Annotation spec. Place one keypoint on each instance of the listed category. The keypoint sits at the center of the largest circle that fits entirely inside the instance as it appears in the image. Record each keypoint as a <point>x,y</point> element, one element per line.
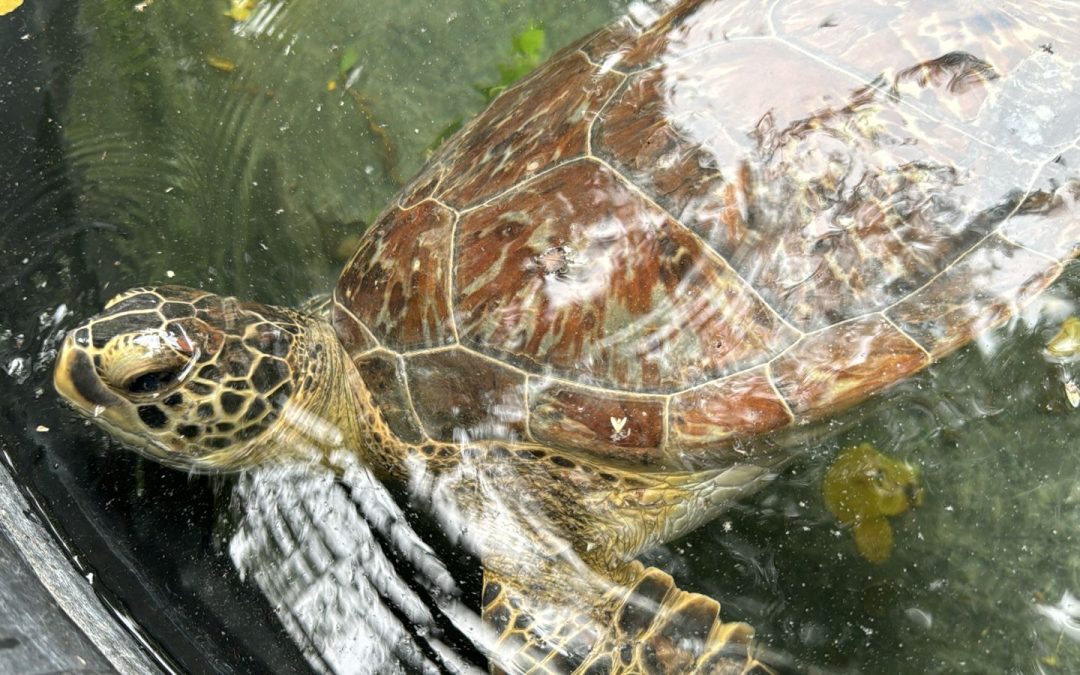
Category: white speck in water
<point>368,169</point>
<point>949,508</point>
<point>169,189</point>
<point>42,429</point>
<point>170,274</point>
<point>98,409</point>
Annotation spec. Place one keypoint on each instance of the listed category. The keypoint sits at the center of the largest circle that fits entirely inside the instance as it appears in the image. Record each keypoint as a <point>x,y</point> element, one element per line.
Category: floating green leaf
<point>527,53</point>
<point>349,58</point>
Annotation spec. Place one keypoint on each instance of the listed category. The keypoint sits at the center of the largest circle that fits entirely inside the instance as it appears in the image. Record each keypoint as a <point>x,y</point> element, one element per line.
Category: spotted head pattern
<point>188,377</point>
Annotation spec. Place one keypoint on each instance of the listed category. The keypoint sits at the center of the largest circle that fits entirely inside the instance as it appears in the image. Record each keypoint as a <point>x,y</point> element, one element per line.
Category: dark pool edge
<point>65,591</point>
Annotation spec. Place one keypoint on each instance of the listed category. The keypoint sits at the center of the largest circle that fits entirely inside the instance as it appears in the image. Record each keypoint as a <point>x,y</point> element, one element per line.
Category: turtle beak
<point>77,381</point>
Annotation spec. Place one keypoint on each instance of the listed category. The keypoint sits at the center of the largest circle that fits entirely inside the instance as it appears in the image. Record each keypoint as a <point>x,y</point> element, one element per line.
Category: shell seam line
<point>522,183</point>
<point>400,363</point>
<point>615,91</point>
<point>956,261</point>
<point>709,250</point>
<point>776,388</point>
<point>926,352</point>
<point>363,327</point>
<point>1017,244</point>
<point>451,277</point>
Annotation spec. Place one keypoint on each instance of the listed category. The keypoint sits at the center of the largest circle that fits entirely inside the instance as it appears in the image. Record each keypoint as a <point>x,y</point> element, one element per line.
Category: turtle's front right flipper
<point>635,621</point>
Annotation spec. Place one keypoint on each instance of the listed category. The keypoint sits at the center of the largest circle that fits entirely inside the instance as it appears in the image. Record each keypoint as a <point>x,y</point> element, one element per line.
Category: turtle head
<point>191,379</point>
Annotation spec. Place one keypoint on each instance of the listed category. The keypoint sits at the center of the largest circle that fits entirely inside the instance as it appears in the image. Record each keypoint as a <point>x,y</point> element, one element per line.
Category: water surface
<point>176,144</point>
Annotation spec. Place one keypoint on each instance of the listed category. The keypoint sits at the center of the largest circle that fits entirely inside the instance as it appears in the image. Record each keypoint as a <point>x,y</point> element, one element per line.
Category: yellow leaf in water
<point>1067,342</point>
<point>224,65</point>
<point>239,10</point>
<point>331,85</point>
<point>863,488</point>
<point>9,6</point>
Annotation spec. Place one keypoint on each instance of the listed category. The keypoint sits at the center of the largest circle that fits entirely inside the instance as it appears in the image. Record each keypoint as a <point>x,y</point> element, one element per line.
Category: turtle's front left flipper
<point>634,621</point>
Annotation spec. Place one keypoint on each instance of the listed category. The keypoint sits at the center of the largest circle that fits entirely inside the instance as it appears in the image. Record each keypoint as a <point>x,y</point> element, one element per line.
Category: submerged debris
<point>1066,344</point>
<point>862,488</point>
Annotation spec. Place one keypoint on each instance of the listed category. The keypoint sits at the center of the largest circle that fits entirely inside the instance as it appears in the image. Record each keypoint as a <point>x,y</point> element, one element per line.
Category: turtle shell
<point>685,232</point>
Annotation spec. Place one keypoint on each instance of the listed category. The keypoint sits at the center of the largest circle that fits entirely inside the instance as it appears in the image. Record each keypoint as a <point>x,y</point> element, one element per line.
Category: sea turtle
<point>619,297</point>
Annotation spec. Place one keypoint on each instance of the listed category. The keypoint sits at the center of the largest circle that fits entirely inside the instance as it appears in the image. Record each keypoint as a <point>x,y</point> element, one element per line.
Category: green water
<point>183,146</point>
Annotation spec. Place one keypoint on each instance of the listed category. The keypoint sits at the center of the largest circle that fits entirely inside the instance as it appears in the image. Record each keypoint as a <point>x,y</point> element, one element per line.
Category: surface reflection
<point>629,292</point>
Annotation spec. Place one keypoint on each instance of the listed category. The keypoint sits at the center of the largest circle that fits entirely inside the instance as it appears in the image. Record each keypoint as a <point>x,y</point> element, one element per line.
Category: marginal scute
<point>606,422</point>
<point>1049,222</point>
<point>638,304</point>
<point>982,290</point>
<point>385,379</point>
<point>837,367</point>
<point>704,421</point>
<point>397,282</point>
<point>493,407</point>
<point>673,35</point>
<point>356,338</point>
<point>524,132</point>
<point>607,45</point>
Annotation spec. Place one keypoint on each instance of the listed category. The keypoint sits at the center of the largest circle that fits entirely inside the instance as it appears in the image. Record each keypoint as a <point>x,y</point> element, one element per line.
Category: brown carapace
<point>589,316</point>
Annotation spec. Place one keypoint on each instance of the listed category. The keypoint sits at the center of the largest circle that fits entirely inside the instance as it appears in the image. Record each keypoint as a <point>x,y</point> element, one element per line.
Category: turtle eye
<point>144,363</point>
<point>152,382</point>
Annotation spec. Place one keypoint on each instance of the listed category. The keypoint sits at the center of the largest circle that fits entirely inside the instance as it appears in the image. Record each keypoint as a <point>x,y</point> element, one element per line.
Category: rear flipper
<point>637,622</point>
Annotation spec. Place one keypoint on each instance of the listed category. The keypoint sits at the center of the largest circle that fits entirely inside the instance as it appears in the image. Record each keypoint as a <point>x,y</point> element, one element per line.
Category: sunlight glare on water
<point>243,149</point>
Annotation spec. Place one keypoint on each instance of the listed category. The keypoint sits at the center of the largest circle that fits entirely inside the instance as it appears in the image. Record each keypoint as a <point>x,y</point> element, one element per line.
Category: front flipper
<point>636,621</point>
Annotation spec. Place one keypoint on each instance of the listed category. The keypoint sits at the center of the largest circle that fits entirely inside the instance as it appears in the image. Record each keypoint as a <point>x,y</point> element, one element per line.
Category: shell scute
<point>396,282</point>
<point>766,213</point>
<point>1048,221</point>
<point>606,316</point>
<point>707,418</point>
<point>385,379</point>
<point>521,135</point>
<point>980,291</point>
<point>627,427</point>
<point>834,368</point>
<point>491,405</point>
